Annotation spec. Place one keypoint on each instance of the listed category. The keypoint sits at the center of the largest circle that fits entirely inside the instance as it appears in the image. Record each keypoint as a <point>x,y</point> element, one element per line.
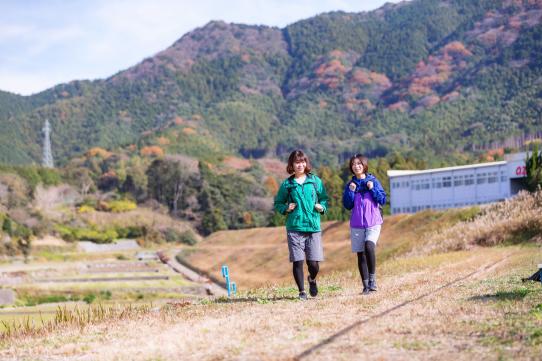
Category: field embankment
<point>259,256</point>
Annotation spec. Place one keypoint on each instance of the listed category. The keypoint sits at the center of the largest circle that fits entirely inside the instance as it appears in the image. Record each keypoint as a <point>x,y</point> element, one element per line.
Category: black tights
<point>367,261</point>
<point>299,278</point>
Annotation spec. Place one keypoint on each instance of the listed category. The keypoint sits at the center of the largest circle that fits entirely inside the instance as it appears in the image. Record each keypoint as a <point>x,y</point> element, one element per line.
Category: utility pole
<point>47,153</point>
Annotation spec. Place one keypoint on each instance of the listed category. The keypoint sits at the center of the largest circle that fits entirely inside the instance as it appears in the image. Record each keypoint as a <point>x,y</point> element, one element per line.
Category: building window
<point>437,183</point>
<point>492,177</point>
<point>446,182</point>
<point>458,180</point>
<point>481,178</point>
<point>469,179</point>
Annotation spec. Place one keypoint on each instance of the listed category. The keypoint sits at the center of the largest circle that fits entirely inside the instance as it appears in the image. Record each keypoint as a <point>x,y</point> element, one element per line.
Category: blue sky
<point>48,42</point>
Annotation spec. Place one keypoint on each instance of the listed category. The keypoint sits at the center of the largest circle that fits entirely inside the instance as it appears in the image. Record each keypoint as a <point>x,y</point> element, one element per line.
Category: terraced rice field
<point>42,287</point>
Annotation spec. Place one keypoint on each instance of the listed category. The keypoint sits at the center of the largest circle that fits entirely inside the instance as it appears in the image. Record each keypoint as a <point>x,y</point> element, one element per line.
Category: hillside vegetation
<point>433,79</point>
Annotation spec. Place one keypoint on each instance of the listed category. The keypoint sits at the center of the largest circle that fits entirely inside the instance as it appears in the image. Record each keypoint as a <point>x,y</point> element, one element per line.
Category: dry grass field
<point>458,305</point>
<point>444,294</point>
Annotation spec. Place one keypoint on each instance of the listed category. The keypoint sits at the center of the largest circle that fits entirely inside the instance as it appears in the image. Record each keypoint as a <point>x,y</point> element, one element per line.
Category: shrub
<point>105,295</point>
<point>172,235</point>
<point>130,232</point>
<point>65,232</point>
<point>153,236</point>
<point>7,226</point>
<point>468,214</point>
<point>40,299</point>
<point>22,232</point>
<point>89,298</point>
<point>122,206</point>
<point>85,209</point>
<point>71,234</point>
<point>189,238</point>
<point>90,202</point>
<point>96,236</point>
<point>49,176</point>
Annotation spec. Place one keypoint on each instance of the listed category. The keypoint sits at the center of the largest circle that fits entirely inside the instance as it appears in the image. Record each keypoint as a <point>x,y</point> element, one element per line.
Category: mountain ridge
<point>406,77</point>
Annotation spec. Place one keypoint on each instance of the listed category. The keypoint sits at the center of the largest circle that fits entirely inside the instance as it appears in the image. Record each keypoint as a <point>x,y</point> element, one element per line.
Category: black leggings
<point>367,261</point>
<point>299,278</point>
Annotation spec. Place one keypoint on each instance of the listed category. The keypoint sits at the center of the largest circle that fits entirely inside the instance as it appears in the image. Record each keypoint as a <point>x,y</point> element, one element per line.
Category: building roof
<point>399,173</point>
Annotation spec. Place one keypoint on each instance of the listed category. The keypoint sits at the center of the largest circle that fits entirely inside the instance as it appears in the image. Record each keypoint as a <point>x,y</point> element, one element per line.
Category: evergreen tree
<point>534,169</point>
<point>167,183</point>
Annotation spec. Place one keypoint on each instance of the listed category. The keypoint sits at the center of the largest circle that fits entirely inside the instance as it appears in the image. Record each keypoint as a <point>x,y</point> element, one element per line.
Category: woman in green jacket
<point>302,198</point>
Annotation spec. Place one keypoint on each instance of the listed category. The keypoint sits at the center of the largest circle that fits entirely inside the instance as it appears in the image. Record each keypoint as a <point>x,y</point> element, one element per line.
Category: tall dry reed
<point>515,220</point>
<point>78,317</point>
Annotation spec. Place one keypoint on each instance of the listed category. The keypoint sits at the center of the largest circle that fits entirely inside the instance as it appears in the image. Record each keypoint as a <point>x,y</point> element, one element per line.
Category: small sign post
<point>230,286</point>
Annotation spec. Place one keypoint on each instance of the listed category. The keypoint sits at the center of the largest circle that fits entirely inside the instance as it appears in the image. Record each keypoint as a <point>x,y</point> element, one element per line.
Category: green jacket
<point>304,217</point>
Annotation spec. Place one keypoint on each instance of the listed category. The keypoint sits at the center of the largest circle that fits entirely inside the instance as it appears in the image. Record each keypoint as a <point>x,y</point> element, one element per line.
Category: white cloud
<point>9,32</point>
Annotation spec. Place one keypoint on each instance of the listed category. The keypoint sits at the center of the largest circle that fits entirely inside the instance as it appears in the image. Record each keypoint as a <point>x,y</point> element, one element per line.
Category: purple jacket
<point>364,202</point>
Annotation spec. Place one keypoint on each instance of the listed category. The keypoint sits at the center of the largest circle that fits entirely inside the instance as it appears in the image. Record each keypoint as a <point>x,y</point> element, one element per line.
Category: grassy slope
<point>259,256</point>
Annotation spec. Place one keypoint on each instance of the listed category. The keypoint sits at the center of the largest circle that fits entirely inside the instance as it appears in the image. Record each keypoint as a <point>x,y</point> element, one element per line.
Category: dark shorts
<point>303,245</point>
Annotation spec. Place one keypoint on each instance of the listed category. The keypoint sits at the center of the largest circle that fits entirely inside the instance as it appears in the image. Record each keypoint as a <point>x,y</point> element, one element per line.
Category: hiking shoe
<point>372,283</point>
<point>313,287</point>
<point>303,296</point>
<point>366,289</point>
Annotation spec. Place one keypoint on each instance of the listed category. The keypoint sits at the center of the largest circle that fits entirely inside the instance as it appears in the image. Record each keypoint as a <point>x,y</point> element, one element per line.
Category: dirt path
<point>432,308</point>
<point>212,288</point>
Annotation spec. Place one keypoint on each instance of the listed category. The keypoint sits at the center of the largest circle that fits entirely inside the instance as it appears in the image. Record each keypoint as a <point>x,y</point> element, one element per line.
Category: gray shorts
<point>358,237</point>
<point>301,244</point>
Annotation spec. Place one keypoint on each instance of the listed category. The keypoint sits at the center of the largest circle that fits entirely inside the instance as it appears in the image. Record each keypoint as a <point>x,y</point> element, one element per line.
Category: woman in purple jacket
<point>362,194</point>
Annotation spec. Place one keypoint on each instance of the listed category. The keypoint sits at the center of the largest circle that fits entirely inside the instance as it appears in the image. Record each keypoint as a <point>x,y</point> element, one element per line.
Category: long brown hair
<point>363,160</point>
<point>296,156</point>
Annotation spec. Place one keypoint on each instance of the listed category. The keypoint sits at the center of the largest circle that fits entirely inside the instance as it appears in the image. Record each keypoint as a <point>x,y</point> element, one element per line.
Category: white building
<point>441,188</point>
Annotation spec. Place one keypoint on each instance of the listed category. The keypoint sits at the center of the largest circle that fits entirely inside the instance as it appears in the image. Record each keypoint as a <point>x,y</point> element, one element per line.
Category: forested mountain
<point>433,79</point>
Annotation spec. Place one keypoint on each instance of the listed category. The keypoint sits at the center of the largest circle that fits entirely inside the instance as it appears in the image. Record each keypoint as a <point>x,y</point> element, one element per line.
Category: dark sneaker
<point>372,284</point>
<point>366,289</point>
<point>303,296</point>
<point>313,287</point>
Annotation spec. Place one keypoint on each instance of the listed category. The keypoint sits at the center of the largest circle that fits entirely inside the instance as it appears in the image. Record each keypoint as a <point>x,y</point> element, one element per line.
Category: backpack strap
<point>289,196</point>
<point>315,188</point>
